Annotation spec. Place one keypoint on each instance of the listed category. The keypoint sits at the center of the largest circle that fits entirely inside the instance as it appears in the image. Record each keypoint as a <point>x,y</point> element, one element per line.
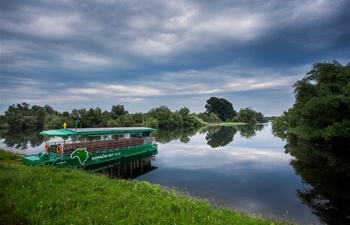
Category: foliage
<point>118,110</point>
<point>250,116</point>
<point>220,136</point>
<point>317,130</point>
<point>213,118</point>
<point>57,121</point>
<point>163,117</point>
<point>22,116</point>
<point>203,116</point>
<point>248,131</point>
<point>326,170</point>
<point>221,107</point>
<point>21,140</point>
<point>321,110</point>
<point>183,134</point>
<point>125,120</point>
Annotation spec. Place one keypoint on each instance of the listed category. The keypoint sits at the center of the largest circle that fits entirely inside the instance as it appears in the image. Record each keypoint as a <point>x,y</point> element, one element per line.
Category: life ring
<point>153,157</point>
<point>59,149</point>
<point>47,146</point>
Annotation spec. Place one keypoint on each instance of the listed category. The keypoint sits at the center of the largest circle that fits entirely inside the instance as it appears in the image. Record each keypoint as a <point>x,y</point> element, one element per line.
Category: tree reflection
<point>216,136</point>
<point>326,169</point>
<point>21,140</point>
<point>248,131</point>
<point>166,135</point>
<point>220,136</point>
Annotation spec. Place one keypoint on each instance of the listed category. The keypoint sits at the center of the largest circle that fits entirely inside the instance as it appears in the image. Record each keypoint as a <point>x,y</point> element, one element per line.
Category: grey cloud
<point>183,48</point>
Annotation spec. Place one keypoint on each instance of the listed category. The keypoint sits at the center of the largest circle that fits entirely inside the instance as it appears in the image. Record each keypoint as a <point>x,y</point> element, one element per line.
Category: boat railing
<point>100,145</point>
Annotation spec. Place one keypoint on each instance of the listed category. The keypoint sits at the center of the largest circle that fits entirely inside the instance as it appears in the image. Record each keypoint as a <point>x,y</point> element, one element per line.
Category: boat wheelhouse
<point>89,146</point>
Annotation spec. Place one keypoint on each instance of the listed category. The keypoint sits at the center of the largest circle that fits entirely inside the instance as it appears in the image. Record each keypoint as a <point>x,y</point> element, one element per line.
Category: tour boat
<point>80,147</point>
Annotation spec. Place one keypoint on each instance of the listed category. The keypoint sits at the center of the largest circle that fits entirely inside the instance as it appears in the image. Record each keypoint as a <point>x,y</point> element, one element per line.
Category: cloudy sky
<point>144,54</point>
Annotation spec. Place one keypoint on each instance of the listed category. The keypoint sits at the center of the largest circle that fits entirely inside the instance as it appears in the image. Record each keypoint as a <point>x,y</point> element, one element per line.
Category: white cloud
<point>44,26</point>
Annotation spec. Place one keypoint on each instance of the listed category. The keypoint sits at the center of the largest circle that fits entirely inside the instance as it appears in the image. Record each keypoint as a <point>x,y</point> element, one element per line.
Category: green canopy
<point>96,131</point>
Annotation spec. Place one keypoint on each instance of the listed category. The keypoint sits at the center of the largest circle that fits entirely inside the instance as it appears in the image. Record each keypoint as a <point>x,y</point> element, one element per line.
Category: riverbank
<point>50,195</point>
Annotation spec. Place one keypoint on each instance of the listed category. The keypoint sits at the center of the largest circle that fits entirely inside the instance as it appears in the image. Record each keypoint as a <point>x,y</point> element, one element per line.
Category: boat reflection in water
<point>126,168</point>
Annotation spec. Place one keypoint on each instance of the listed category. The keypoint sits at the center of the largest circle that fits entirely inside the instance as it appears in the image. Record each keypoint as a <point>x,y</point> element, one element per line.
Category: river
<point>250,174</point>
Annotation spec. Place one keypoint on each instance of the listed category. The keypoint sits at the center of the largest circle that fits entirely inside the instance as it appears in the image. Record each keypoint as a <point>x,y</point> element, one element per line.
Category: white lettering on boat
<point>105,156</point>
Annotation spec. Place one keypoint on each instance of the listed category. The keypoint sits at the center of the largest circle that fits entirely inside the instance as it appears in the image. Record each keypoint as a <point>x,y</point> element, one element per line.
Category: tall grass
<point>50,195</point>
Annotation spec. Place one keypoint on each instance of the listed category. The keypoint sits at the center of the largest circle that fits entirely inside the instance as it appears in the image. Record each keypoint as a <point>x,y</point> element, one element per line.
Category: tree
<point>322,98</point>
<point>221,107</point>
<point>78,114</point>
<point>183,111</point>
<point>250,116</point>
<point>92,117</point>
<point>118,110</point>
<point>213,118</point>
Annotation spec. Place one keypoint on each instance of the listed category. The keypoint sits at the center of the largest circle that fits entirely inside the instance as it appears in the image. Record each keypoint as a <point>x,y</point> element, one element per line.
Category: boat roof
<point>96,131</point>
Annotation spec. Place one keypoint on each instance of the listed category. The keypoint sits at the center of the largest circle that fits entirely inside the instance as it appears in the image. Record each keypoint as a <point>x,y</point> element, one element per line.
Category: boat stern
<point>37,159</point>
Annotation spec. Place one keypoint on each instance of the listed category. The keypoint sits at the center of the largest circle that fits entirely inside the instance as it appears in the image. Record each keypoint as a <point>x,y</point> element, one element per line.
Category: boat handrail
<point>96,145</point>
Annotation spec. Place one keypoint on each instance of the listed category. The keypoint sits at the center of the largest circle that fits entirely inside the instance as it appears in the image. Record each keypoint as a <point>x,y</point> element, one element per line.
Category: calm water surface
<point>252,174</point>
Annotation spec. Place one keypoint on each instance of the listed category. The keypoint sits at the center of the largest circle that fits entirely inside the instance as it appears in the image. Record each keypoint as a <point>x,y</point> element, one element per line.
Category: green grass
<point>50,195</point>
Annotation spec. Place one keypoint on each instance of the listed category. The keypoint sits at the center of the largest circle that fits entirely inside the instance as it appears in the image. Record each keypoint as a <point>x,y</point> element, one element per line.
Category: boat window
<point>145,134</point>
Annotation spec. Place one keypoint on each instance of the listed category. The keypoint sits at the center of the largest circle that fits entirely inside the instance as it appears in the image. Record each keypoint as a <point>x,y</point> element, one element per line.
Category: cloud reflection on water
<point>249,174</point>
<point>197,155</point>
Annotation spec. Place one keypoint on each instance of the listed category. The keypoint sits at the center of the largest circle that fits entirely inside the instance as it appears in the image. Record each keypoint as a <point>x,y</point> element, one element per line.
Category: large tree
<point>118,110</point>
<point>322,104</point>
<point>250,116</point>
<point>221,107</point>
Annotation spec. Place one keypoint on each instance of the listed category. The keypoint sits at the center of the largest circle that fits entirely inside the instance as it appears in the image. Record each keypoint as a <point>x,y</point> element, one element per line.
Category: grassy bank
<point>49,195</point>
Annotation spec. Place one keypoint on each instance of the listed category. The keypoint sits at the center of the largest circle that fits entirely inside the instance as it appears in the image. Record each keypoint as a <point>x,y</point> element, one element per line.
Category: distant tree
<point>112,123</point>
<point>125,121</point>
<point>92,117</point>
<point>183,111</point>
<point>138,118</point>
<point>56,122</point>
<point>50,110</point>
<point>118,110</point>
<point>213,118</point>
<point>161,114</point>
<point>221,107</point>
<point>250,116</point>
<point>22,116</point>
<point>39,113</point>
<point>203,116</point>
<point>105,117</point>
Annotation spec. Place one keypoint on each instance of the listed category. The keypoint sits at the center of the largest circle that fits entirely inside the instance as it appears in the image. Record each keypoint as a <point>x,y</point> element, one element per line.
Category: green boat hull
<point>81,157</point>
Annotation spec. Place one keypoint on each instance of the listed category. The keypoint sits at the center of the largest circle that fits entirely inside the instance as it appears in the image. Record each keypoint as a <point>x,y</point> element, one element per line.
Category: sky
<point>146,54</point>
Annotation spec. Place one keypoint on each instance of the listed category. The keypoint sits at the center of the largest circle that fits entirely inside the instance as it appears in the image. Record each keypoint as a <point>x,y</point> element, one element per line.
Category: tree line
<point>23,116</point>
<point>321,112</point>
<point>317,132</point>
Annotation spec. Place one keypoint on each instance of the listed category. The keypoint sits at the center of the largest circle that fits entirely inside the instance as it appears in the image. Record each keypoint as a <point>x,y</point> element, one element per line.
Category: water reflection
<point>126,168</point>
<point>216,136</point>
<point>249,131</point>
<point>249,172</point>
<point>21,140</point>
<point>184,135</point>
<point>326,170</point>
<point>219,137</point>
